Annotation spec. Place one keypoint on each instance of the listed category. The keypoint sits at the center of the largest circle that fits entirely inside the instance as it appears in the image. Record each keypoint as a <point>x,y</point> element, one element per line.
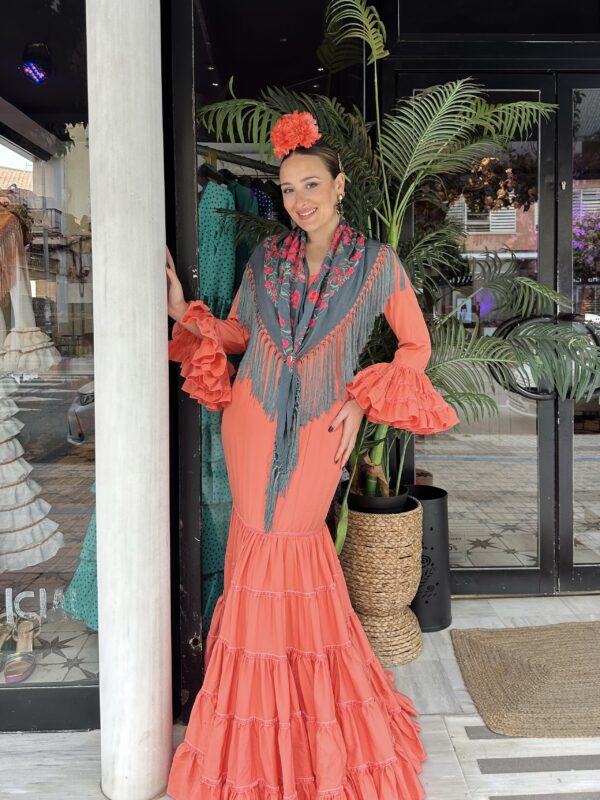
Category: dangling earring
<point>339,205</point>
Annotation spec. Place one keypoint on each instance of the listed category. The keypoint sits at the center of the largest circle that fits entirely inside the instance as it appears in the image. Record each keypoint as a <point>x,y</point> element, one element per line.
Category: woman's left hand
<point>351,415</point>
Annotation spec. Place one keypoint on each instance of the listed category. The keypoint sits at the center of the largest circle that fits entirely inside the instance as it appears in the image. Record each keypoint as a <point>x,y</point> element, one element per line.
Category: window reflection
<point>586,300</point>
<point>495,458</point>
<point>48,594</point>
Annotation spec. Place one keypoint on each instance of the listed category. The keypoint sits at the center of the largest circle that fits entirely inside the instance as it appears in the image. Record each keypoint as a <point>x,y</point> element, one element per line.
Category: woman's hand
<point>176,304</point>
<point>351,415</point>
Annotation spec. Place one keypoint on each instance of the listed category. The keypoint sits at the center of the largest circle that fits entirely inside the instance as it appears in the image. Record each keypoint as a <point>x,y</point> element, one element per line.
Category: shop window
<point>48,599</point>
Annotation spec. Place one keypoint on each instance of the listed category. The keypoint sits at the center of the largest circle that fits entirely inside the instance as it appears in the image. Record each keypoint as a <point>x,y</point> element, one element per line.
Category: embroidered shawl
<point>296,390</point>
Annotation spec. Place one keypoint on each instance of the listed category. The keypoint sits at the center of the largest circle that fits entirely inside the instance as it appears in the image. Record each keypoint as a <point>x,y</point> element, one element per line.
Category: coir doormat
<point>534,681</point>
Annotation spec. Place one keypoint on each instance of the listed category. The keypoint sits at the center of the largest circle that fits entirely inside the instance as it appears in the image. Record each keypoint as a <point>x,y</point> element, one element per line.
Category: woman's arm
<point>399,393</point>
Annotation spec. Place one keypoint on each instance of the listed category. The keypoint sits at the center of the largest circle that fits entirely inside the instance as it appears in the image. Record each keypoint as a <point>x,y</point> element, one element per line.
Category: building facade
<point>100,486</point>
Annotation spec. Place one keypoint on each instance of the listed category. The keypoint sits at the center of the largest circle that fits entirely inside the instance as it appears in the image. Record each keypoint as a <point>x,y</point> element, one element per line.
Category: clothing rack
<point>234,158</point>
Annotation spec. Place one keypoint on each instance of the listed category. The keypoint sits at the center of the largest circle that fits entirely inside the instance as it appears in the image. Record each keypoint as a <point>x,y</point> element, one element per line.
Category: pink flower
<point>268,270</point>
<point>268,285</point>
<point>355,256</point>
<point>289,361</point>
<point>360,241</point>
<point>350,270</point>
<point>295,298</point>
<point>311,324</point>
<point>281,320</point>
<point>322,304</point>
<point>285,342</point>
<point>313,295</point>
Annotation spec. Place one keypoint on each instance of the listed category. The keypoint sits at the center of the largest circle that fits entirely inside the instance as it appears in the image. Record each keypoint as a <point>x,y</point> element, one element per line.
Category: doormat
<point>534,681</point>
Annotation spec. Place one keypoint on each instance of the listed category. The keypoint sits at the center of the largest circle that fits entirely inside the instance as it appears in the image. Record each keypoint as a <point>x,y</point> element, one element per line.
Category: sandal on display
<point>7,644</point>
<point>20,665</point>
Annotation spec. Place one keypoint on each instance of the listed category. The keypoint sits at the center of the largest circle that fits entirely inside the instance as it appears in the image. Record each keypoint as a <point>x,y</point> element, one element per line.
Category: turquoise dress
<point>81,596</point>
<point>217,277</point>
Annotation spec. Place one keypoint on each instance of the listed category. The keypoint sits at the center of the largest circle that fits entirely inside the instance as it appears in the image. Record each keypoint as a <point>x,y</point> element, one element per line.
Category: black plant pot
<point>377,505</point>
<point>431,603</point>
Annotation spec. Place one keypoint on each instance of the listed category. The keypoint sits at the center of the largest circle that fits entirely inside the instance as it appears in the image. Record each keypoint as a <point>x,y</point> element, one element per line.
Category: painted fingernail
<point>330,428</point>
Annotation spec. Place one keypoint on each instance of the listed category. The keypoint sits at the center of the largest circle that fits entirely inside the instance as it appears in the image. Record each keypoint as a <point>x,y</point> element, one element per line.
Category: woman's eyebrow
<point>309,178</point>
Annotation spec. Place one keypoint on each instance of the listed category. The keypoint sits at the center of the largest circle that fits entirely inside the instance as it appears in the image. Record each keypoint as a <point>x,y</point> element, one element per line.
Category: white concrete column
<point>131,400</point>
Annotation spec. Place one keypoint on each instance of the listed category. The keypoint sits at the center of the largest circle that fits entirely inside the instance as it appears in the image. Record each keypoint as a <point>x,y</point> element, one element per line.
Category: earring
<point>339,205</point>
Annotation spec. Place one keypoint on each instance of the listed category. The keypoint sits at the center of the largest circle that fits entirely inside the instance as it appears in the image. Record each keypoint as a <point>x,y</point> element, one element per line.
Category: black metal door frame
<point>572,577</point>
<point>542,579</point>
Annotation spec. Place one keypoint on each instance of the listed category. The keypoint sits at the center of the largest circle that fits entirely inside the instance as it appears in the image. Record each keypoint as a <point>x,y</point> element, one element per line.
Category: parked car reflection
<point>80,416</point>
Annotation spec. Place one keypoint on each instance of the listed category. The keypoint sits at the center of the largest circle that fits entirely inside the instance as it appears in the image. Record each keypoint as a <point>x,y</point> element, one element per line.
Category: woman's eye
<point>309,185</point>
<point>286,191</point>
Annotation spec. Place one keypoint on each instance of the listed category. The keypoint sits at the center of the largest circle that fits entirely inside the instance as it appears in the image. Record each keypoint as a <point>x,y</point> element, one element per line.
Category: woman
<point>294,704</point>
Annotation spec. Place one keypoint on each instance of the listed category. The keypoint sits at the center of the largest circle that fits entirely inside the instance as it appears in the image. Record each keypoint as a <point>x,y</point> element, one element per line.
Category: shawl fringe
<point>323,371</point>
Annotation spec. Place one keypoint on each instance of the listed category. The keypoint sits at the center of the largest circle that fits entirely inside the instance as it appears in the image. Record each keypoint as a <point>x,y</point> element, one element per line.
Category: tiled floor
<point>465,760</point>
<point>493,496</point>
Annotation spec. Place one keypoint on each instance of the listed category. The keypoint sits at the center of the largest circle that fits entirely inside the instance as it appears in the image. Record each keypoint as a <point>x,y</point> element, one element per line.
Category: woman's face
<point>310,194</point>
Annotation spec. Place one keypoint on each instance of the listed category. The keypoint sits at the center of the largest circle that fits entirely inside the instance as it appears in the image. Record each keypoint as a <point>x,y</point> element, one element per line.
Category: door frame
<point>541,579</point>
<point>571,577</point>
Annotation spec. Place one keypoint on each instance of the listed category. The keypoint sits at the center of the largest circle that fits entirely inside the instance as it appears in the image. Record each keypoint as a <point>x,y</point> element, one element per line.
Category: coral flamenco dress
<point>294,704</point>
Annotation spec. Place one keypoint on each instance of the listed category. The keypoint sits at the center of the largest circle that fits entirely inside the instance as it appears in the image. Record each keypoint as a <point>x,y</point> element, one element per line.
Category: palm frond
<point>240,121</point>
<point>460,358</point>
<point>348,20</point>
<point>556,358</point>
<point>252,229</point>
<point>474,405</point>
<point>336,57</point>
<point>433,259</point>
<point>512,120</point>
<point>518,294</point>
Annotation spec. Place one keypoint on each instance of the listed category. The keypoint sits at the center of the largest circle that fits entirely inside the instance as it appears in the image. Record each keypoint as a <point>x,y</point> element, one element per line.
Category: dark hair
<point>326,153</point>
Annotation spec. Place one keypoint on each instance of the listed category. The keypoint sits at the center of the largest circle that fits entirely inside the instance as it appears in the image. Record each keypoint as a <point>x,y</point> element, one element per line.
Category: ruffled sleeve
<point>399,393</point>
<point>204,365</point>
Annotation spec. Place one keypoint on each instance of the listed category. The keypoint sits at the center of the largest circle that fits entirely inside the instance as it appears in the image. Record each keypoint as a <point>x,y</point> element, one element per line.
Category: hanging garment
<point>81,595</point>
<point>217,247</point>
<point>265,204</point>
<point>245,201</point>
<point>27,535</point>
<point>26,349</point>
<point>294,703</point>
<point>216,234</point>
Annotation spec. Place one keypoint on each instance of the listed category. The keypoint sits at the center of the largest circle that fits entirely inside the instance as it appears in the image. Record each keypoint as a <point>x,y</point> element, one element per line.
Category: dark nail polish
<point>330,428</point>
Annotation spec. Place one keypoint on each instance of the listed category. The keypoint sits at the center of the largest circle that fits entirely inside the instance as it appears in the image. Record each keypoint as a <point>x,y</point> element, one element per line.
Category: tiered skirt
<point>294,705</point>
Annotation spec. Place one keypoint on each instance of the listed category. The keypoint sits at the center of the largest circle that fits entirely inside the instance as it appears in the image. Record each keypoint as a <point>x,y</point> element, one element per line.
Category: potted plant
<point>403,160</point>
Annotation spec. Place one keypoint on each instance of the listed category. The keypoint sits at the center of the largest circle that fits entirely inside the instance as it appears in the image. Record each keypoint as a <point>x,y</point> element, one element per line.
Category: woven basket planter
<point>381,560</point>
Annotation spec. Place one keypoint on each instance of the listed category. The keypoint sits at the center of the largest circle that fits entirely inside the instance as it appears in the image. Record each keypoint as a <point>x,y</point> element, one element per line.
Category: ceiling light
<point>320,69</point>
<point>215,83</point>
<point>211,68</point>
<point>283,39</point>
<point>37,62</point>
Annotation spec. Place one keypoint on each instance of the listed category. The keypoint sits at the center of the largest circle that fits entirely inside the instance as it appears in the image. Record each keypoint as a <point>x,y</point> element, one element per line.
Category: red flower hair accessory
<point>298,129</point>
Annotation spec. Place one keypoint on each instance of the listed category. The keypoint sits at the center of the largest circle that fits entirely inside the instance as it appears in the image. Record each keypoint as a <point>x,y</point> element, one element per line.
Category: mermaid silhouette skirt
<point>294,704</point>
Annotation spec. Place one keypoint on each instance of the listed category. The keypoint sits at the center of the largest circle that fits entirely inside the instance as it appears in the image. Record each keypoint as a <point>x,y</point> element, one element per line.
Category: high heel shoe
<point>7,644</point>
<point>20,664</point>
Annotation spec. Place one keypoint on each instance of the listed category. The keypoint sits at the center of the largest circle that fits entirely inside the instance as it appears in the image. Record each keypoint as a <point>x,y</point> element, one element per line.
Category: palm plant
<point>390,164</point>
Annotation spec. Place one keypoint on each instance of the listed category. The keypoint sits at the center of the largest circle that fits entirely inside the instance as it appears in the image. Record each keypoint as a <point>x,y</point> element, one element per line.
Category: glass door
<point>500,471</point>
<point>578,258</point>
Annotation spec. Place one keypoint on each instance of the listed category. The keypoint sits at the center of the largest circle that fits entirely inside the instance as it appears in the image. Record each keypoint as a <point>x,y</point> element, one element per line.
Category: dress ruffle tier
<point>403,397</point>
<point>294,705</point>
<point>204,363</point>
